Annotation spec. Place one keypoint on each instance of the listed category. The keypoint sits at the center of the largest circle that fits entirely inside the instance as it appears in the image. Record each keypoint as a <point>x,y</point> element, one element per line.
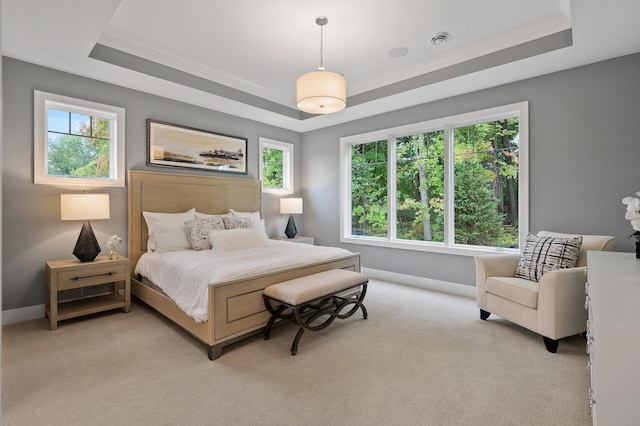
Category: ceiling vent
<point>439,38</point>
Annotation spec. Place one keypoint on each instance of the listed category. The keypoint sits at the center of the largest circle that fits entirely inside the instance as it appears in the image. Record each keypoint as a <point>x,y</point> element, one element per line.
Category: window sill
<point>426,247</point>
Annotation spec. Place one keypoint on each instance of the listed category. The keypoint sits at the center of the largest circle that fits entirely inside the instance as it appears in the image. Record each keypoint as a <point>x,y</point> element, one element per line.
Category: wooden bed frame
<point>236,308</point>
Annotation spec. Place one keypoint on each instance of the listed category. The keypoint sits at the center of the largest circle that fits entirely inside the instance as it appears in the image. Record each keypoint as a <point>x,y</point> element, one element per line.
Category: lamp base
<point>291,230</point>
<point>87,247</point>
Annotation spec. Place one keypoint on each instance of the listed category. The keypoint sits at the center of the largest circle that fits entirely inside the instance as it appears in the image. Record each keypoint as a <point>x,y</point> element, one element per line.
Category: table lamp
<point>85,207</point>
<point>291,206</point>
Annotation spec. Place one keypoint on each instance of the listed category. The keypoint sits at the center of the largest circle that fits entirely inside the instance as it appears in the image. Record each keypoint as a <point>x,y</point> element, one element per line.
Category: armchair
<point>552,307</point>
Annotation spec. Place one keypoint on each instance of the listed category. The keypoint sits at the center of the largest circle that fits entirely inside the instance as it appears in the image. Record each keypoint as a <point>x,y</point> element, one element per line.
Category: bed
<point>235,308</point>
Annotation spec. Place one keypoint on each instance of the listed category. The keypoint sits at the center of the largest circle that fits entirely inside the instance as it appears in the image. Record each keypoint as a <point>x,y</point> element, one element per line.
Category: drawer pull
<point>92,276</point>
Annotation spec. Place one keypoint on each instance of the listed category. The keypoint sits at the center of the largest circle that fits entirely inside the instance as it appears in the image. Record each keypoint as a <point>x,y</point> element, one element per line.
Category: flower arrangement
<point>633,214</point>
<point>111,243</point>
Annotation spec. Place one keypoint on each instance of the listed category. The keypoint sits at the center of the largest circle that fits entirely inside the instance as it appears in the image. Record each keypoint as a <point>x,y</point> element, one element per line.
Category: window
<point>454,185</point>
<point>276,166</point>
<point>78,142</point>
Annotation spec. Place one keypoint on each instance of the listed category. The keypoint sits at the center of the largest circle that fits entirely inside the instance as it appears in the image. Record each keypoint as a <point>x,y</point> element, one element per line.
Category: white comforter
<point>185,275</point>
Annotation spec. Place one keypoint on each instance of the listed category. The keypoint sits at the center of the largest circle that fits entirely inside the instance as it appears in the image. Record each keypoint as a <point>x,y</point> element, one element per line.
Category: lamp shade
<point>291,206</point>
<point>84,206</point>
<point>321,92</point>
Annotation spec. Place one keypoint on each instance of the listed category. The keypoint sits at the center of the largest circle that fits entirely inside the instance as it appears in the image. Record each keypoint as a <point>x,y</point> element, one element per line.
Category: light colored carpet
<point>422,358</point>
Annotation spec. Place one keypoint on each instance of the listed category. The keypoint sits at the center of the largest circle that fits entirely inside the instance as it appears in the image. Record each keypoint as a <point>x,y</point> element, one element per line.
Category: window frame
<point>44,101</point>
<point>520,110</point>
<point>287,165</point>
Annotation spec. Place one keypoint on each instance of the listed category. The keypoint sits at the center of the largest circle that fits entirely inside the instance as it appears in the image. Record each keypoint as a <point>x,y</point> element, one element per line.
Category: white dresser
<point>613,337</point>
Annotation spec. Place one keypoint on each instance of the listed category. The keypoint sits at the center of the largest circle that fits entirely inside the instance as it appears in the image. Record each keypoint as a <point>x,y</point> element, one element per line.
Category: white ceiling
<point>243,57</point>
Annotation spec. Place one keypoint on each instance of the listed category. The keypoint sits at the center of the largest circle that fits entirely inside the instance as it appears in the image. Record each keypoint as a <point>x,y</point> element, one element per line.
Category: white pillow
<point>171,236</point>
<point>152,218</point>
<point>254,216</point>
<point>237,239</point>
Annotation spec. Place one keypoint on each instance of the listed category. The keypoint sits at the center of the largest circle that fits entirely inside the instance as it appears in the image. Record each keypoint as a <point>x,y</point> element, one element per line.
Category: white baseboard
<point>427,283</point>
<point>37,311</point>
<point>22,314</point>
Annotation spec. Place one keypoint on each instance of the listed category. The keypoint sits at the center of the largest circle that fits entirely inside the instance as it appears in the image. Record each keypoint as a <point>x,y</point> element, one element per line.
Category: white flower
<point>633,211</point>
<point>633,204</point>
<point>112,241</point>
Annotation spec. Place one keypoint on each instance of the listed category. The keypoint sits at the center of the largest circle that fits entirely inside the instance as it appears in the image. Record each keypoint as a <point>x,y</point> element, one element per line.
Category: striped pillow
<point>544,254</point>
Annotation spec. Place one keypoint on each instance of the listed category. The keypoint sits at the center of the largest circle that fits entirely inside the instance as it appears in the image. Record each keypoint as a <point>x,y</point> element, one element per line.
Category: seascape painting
<point>180,146</point>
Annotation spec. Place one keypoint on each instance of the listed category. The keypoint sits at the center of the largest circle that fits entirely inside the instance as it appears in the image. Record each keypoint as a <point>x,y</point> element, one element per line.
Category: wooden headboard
<point>176,193</point>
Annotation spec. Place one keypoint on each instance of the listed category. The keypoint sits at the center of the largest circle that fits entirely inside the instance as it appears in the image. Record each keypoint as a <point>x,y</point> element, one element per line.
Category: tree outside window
<point>78,145</point>
<point>369,189</point>
<point>451,185</point>
<point>276,166</point>
<point>77,142</point>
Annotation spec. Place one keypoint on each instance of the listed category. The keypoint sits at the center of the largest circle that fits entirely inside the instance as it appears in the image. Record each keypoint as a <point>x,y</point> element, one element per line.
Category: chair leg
<point>552,345</point>
<point>484,314</point>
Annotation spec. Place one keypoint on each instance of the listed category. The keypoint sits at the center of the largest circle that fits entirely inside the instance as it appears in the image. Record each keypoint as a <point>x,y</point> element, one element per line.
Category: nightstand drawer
<point>77,278</point>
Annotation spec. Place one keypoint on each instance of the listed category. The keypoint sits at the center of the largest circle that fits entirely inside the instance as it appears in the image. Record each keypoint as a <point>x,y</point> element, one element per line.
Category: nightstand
<point>296,239</point>
<point>109,279</point>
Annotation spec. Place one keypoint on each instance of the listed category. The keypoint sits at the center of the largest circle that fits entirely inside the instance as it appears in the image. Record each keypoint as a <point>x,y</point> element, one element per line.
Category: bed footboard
<point>236,308</point>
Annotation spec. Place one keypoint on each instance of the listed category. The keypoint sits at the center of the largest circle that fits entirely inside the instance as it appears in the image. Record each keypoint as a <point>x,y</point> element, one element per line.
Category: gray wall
<point>584,158</point>
<point>32,230</point>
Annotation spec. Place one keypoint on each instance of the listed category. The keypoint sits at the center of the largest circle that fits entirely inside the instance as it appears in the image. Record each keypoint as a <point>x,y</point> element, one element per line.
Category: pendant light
<point>321,92</point>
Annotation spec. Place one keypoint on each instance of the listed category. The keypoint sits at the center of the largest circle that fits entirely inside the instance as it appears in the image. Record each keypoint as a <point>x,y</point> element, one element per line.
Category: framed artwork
<point>181,146</point>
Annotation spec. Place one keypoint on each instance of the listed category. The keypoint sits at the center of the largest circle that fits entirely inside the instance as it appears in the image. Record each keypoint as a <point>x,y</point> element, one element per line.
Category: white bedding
<point>185,275</point>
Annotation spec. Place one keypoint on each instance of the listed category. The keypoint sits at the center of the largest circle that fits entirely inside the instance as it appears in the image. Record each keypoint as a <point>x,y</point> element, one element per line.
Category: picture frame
<point>174,145</point>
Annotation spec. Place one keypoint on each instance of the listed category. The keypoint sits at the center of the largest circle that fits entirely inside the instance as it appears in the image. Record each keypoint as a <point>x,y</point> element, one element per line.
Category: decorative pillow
<point>254,216</point>
<point>198,231</point>
<point>237,239</point>
<point>232,222</point>
<point>171,236</point>
<point>152,218</point>
<point>544,254</point>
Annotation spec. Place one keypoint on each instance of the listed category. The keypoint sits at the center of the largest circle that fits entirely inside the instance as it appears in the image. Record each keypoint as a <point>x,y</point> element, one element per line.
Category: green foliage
<point>272,168</point>
<point>369,189</point>
<point>420,186</point>
<point>485,185</point>
<point>476,220</point>
<point>84,154</point>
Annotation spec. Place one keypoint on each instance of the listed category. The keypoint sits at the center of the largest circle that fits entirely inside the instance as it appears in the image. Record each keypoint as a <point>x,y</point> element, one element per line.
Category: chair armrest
<point>493,265</point>
<point>561,297</point>
<point>496,265</point>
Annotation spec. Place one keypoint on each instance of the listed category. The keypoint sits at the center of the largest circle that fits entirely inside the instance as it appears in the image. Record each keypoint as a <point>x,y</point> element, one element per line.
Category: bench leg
<point>275,314</point>
<point>296,340</point>
<point>358,304</point>
<point>364,311</point>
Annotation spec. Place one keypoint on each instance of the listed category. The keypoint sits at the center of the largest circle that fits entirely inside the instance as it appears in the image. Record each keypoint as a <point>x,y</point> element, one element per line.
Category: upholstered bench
<point>305,300</point>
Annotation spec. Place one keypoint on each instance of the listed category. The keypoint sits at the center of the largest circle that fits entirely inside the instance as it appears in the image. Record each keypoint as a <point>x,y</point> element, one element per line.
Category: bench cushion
<point>304,289</point>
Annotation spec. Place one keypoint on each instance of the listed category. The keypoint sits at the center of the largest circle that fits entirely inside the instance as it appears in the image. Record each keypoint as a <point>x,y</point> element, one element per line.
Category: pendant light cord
<point>321,21</point>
